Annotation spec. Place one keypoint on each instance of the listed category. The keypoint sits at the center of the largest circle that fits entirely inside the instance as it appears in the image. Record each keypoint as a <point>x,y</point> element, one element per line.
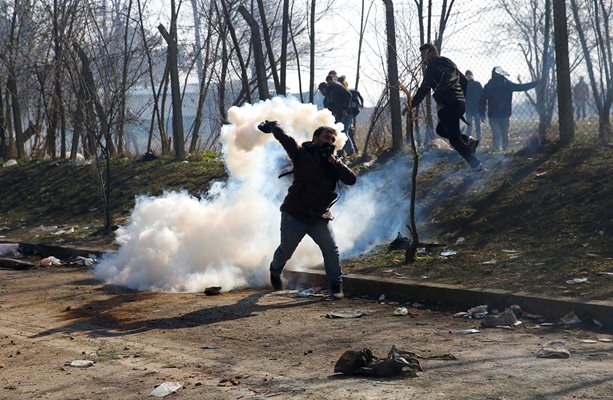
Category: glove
<point>267,126</point>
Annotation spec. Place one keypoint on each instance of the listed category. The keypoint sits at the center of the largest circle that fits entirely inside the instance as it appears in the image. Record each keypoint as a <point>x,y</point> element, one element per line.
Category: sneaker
<point>275,281</point>
<point>335,293</point>
<point>472,144</point>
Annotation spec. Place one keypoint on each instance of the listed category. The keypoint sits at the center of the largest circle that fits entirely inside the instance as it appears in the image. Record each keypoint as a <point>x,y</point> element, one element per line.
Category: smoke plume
<point>179,243</point>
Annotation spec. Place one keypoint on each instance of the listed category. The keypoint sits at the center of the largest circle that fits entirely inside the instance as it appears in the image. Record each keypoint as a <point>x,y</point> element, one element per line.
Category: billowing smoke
<point>179,243</point>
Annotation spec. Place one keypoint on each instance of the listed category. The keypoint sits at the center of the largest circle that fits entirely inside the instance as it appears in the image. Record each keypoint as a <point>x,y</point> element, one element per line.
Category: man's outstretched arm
<point>289,143</point>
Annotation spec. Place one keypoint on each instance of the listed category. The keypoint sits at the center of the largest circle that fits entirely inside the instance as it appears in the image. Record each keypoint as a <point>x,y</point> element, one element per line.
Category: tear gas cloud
<point>180,243</point>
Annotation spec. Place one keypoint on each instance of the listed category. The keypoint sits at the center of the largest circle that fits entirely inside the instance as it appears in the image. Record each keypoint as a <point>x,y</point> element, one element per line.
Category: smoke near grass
<point>179,243</point>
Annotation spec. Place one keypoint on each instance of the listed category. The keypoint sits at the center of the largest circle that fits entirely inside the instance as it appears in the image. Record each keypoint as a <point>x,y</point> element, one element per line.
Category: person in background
<point>497,98</point>
<point>306,208</point>
<point>473,95</point>
<point>443,78</point>
<point>581,96</point>
<point>337,99</point>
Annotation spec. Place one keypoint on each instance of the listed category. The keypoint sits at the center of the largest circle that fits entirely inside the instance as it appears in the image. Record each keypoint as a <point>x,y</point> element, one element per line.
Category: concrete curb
<point>403,290</point>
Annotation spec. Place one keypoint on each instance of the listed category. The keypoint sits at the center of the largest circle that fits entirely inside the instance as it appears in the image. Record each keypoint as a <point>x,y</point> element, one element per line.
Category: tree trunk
<point>312,54</point>
<point>392,71</point>
<point>260,66</point>
<point>284,40</point>
<point>565,105</point>
<point>239,56</point>
<point>268,44</point>
<point>16,109</point>
<point>175,87</point>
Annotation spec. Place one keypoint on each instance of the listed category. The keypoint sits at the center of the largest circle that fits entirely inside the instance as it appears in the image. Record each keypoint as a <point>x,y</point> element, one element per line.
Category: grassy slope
<point>554,207</point>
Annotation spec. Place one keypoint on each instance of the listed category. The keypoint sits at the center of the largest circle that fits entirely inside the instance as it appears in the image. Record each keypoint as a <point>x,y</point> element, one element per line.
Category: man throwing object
<point>306,208</point>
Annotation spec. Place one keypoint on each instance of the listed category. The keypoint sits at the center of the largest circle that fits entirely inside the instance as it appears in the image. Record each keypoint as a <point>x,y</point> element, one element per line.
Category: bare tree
<point>177,107</point>
<point>565,105</point>
<point>392,71</point>
<point>260,67</point>
<point>599,17</point>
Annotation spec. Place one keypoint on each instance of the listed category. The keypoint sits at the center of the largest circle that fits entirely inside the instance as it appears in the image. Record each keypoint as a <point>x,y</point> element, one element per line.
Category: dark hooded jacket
<point>497,95</point>
<point>337,100</point>
<point>444,79</point>
<point>313,190</point>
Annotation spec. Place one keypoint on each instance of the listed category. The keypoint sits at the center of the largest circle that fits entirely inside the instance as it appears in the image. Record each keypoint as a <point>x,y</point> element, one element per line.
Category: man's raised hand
<point>267,126</point>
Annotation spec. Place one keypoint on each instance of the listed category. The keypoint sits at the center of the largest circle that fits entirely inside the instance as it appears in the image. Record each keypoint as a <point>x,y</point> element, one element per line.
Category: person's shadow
<point>96,318</point>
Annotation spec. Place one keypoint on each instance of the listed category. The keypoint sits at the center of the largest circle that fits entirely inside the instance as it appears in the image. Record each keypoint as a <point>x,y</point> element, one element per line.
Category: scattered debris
<point>511,251</point>
<point>477,312</point>
<point>346,314</point>
<point>148,156</point>
<point>10,163</point>
<point>50,261</point>
<point>15,264</point>
<point>401,311</point>
<point>448,252</point>
<point>305,293</point>
<point>576,280</point>
<point>166,388</point>
<point>363,362</point>
<point>382,298</point>
<point>459,240</point>
<point>507,318</point>
<point>228,382</point>
<point>589,341</point>
<point>554,349</point>
<point>469,331</point>
<point>490,262</point>
<point>528,315</point>
<point>81,363</point>
<point>212,291</point>
<point>85,261</point>
<point>400,243</point>
<point>605,273</point>
<point>209,347</point>
<point>570,319</point>
<point>604,340</point>
<point>9,249</point>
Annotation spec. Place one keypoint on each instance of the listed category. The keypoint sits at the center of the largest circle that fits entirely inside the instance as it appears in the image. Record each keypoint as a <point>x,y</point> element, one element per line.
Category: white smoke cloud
<point>179,243</point>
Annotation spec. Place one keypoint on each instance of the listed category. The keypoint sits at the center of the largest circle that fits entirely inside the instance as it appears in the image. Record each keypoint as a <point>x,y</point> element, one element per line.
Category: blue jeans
<point>350,146</point>
<point>473,118</point>
<point>292,232</point>
<point>500,133</point>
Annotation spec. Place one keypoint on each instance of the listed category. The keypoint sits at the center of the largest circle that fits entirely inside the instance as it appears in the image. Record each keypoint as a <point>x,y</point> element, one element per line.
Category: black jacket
<point>313,189</point>
<point>337,100</point>
<point>473,96</point>
<point>444,79</point>
<point>498,95</point>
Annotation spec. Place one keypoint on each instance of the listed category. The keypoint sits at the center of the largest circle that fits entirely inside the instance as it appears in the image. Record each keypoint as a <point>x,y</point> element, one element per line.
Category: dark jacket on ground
<point>473,95</point>
<point>337,100</point>
<point>313,189</point>
<point>444,79</point>
<point>498,95</point>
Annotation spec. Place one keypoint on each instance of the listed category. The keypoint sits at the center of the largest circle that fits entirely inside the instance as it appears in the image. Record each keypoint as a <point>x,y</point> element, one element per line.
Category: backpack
<point>357,102</point>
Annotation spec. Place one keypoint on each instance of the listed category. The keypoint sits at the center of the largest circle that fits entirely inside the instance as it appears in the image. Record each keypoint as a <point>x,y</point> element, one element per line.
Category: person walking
<point>306,208</point>
<point>337,99</point>
<point>497,99</point>
<point>581,96</point>
<point>473,95</point>
<point>443,78</point>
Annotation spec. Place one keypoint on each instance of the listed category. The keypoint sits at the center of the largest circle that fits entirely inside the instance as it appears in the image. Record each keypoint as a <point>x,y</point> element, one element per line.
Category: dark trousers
<point>448,126</point>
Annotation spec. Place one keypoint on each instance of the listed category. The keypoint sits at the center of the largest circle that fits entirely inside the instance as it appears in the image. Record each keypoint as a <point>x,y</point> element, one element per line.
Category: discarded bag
<point>50,261</point>
<point>166,388</point>
<point>400,243</point>
<point>507,318</point>
<point>554,349</point>
<point>346,314</point>
<point>363,362</point>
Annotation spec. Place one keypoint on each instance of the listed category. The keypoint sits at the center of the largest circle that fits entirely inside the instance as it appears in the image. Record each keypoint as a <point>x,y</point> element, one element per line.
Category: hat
<point>500,71</point>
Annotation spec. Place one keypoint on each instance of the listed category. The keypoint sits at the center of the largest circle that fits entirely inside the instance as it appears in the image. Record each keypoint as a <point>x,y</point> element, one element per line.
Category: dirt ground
<point>264,345</point>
